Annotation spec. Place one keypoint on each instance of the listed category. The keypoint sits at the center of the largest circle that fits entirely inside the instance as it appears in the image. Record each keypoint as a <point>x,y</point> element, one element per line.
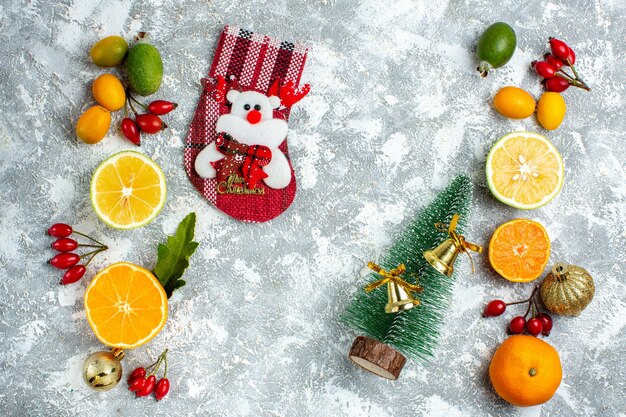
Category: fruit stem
<point>156,368</point>
<point>89,237</point>
<point>532,294</point>
<point>566,76</point>
<point>89,261</point>
<point>165,372</point>
<point>581,83</point>
<point>89,246</point>
<point>569,63</point>
<point>151,366</point>
<point>536,306</point>
<point>93,252</point>
<point>527,310</point>
<point>576,82</point>
<point>530,303</point>
<point>140,36</point>
<point>484,68</point>
<point>137,101</point>
<point>130,103</point>
<point>516,302</point>
<point>162,356</point>
<point>94,255</point>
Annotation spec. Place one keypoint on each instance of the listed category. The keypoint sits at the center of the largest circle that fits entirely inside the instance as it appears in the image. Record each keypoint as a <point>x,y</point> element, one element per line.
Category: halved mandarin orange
<point>126,305</point>
<point>519,250</point>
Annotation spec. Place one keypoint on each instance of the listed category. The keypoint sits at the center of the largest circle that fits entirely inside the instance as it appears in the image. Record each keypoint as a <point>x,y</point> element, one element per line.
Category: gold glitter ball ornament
<point>567,289</point>
<point>103,370</point>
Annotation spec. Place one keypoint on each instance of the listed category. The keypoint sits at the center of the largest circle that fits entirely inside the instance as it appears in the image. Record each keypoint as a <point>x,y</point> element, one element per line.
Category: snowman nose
<point>254,116</point>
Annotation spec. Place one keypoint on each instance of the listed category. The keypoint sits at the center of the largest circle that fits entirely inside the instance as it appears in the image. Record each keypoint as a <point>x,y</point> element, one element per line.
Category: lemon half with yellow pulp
<point>128,190</point>
<point>524,170</point>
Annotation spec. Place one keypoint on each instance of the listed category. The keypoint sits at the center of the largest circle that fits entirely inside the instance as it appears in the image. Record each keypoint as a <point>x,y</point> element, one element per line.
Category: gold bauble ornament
<point>567,289</point>
<point>103,370</point>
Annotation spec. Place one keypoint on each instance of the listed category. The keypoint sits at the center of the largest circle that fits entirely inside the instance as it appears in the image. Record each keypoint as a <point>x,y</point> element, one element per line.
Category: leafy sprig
<point>173,256</point>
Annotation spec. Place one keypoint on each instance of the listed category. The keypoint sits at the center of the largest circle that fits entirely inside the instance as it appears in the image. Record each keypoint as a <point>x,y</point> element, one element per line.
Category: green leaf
<point>173,256</point>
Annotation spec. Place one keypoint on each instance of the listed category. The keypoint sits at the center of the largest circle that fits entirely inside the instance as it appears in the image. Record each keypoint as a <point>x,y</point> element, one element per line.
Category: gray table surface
<point>397,109</point>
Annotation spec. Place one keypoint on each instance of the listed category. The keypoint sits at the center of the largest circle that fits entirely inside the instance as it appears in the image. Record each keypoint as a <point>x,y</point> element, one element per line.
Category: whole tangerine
<point>525,371</point>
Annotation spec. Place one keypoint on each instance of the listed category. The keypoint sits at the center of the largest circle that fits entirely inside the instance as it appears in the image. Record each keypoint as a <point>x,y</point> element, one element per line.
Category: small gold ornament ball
<point>567,289</point>
<point>102,371</point>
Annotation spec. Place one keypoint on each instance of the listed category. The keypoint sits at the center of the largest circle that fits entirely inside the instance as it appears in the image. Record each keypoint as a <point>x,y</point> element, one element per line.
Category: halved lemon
<point>519,250</point>
<point>128,190</point>
<point>524,170</point>
<point>126,305</point>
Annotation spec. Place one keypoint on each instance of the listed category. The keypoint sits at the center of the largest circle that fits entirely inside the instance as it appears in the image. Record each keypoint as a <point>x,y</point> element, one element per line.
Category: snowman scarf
<point>236,152</point>
<point>238,157</point>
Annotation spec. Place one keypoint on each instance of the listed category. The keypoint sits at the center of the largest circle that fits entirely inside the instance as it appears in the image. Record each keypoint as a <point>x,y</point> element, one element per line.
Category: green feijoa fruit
<point>495,47</point>
<point>145,69</point>
<point>109,52</point>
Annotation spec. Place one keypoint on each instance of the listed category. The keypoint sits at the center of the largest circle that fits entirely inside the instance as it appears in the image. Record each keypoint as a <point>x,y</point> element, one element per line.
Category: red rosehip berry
<point>64,244</point>
<point>554,61</point>
<point>137,384</point>
<point>533,326</point>
<point>60,230</point>
<point>571,57</point>
<point>544,69</point>
<point>64,260</point>
<point>147,388</point>
<point>494,308</point>
<point>546,323</point>
<point>559,48</point>
<point>150,123</point>
<point>73,274</point>
<point>131,131</point>
<point>137,373</point>
<point>556,84</point>
<point>517,325</point>
<point>161,107</point>
<point>162,388</point>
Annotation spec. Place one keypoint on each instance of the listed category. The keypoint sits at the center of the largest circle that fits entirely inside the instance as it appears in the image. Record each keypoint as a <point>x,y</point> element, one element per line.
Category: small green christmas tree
<point>412,332</point>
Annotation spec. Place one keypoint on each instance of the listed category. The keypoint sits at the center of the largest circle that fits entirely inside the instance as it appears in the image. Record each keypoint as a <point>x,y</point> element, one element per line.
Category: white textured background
<point>397,109</point>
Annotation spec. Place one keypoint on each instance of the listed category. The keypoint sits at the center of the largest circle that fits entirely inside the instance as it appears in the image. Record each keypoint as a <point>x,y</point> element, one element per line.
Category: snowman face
<point>251,119</point>
<point>252,106</point>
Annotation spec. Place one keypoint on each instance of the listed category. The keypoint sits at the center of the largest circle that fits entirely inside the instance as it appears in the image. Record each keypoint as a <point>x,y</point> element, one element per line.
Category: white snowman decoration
<point>251,122</point>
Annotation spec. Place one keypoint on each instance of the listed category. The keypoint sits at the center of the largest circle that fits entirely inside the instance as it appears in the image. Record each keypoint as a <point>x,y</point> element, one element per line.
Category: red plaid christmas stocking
<point>236,150</point>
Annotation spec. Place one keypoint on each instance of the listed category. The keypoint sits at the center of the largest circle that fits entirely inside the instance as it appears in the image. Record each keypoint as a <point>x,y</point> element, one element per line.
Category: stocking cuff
<point>255,61</point>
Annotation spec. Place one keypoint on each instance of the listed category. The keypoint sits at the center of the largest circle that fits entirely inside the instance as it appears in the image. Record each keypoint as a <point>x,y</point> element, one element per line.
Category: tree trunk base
<point>377,357</point>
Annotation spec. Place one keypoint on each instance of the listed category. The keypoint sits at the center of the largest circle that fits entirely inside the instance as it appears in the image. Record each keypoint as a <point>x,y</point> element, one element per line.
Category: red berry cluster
<point>144,384</point>
<point>538,323</point>
<point>552,69</point>
<point>149,122</point>
<point>68,260</point>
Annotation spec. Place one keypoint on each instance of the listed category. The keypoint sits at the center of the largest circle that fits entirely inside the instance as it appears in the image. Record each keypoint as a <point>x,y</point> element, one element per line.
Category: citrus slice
<point>519,250</point>
<point>126,305</point>
<point>524,170</point>
<point>128,190</point>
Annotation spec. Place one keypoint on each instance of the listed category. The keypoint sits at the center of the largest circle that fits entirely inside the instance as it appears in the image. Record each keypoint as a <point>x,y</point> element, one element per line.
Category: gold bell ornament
<point>443,256</point>
<point>399,292</point>
<point>103,370</point>
<point>567,289</point>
